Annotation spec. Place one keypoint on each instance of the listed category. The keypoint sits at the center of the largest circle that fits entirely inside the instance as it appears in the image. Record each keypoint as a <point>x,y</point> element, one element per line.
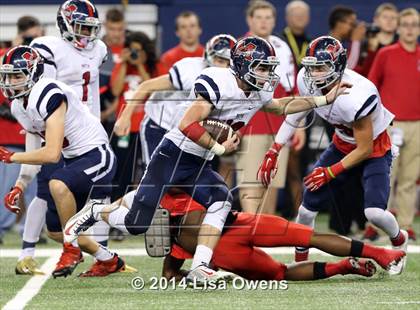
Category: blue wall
<point>221,16</point>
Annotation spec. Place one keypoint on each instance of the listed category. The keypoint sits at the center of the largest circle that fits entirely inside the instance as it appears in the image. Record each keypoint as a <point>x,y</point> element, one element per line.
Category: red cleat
<point>370,234</point>
<point>104,268</point>
<point>389,258</point>
<point>361,266</point>
<point>69,260</point>
<point>411,234</point>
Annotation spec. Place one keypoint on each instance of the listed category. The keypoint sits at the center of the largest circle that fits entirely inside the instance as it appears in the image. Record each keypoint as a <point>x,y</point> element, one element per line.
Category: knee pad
<point>217,213</point>
<point>306,217</point>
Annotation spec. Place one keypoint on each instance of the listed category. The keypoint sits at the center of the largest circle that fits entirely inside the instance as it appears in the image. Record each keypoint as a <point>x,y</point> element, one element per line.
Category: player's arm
<point>172,268</point>
<point>363,134</point>
<point>145,89</point>
<point>54,136</point>
<point>190,126</point>
<point>290,105</point>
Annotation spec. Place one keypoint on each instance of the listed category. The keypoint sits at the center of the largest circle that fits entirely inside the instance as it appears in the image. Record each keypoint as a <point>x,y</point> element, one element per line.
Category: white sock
<point>100,231</point>
<point>203,254</point>
<point>97,209</point>
<point>103,254</point>
<point>384,220</point>
<point>75,243</point>
<point>116,219</point>
<point>306,216</point>
<point>35,220</point>
<point>26,252</point>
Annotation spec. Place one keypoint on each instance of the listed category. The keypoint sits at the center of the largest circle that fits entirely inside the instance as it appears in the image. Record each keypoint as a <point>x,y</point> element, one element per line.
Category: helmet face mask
<point>19,75</point>
<point>261,74</point>
<point>319,74</point>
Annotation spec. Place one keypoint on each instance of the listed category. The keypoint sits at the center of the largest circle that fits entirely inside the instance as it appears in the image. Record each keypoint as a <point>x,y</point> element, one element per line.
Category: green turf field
<point>352,292</point>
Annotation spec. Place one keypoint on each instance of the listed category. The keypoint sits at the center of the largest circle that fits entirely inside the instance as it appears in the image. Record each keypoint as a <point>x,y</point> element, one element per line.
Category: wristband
<point>194,131</point>
<point>335,169</point>
<point>320,101</point>
<point>218,149</point>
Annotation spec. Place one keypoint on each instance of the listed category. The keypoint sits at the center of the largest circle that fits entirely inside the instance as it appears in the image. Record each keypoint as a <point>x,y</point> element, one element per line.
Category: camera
<point>372,30</point>
<point>134,54</point>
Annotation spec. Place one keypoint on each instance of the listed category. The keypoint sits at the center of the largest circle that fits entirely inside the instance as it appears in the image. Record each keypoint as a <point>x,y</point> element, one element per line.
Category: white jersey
<point>82,131</point>
<point>286,68</point>
<point>363,99</point>
<point>161,106</point>
<point>79,69</point>
<point>231,105</point>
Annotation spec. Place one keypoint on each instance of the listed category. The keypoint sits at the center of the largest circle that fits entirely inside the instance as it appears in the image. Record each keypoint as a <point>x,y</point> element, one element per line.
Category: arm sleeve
<point>289,126</point>
<point>28,172</point>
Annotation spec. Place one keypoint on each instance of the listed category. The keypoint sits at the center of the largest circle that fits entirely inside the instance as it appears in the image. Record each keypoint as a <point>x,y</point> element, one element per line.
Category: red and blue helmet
<point>248,55</point>
<point>78,22</point>
<point>20,61</point>
<point>326,55</point>
<point>218,46</point>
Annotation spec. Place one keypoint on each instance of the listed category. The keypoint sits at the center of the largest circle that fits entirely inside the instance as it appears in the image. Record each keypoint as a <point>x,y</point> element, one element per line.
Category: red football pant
<point>237,248</point>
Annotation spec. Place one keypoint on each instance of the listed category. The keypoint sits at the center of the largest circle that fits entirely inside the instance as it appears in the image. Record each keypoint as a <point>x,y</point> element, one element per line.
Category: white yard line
<point>412,249</point>
<point>32,287</point>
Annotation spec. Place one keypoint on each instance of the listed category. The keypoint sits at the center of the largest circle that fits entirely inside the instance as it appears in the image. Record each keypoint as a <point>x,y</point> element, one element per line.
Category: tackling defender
<point>230,95</point>
<point>50,110</point>
<point>360,144</point>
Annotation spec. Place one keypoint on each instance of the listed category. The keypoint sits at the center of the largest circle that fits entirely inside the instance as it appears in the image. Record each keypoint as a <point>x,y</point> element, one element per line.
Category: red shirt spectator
<point>396,69</point>
<point>170,57</point>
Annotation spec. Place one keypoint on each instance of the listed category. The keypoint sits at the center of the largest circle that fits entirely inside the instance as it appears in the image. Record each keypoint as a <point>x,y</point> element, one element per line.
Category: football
<point>218,130</point>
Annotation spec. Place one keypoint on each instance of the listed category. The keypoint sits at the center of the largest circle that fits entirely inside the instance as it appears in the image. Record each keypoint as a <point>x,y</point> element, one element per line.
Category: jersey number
<point>86,79</point>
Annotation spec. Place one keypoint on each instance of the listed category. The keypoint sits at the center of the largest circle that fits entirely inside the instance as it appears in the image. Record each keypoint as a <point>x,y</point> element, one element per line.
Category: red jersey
<point>177,53</point>
<point>396,74</point>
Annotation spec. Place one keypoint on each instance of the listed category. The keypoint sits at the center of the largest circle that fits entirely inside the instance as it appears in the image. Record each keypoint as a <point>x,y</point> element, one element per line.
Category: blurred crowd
<point>374,50</point>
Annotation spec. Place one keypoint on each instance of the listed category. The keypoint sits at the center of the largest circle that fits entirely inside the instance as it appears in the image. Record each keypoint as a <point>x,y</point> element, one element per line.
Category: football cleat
<point>80,222</point>
<point>370,234</point>
<point>104,268</point>
<point>363,267</point>
<point>203,274</point>
<point>28,266</point>
<point>397,267</point>
<point>68,261</point>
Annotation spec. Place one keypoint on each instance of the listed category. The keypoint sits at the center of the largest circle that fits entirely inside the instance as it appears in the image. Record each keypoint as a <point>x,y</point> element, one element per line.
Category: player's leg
<point>313,201</point>
<point>210,190</point>
<point>151,134</point>
<point>376,185</point>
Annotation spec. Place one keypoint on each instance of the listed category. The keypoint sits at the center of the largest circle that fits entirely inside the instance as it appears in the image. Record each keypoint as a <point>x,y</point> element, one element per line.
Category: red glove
<point>5,155</point>
<point>268,168</point>
<point>11,199</point>
<point>322,175</point>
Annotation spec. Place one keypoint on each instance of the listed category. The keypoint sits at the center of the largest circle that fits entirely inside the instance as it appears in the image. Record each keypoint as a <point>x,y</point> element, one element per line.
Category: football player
<point>50,110</point>
<point>74,59</point>
<point>160,112</point>
<point>360,145</point>
<point>230,95</point>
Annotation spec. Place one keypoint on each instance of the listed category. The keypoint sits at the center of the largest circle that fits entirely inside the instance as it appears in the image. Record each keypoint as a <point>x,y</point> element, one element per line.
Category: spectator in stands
<point>297,14</point>
<point>396,73</point>
<point>188,30</point>
<point>345,27</point>
<point>259,133</point>
<point>383,32</point>
<point>138,63</point>
<point>114,37</point>
<point>28,28</point>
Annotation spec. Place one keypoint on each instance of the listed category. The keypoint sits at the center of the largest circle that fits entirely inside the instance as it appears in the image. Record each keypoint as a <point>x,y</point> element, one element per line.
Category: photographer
<point>29,28</point>
<point>379,34</point>
<point>138,64</point>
